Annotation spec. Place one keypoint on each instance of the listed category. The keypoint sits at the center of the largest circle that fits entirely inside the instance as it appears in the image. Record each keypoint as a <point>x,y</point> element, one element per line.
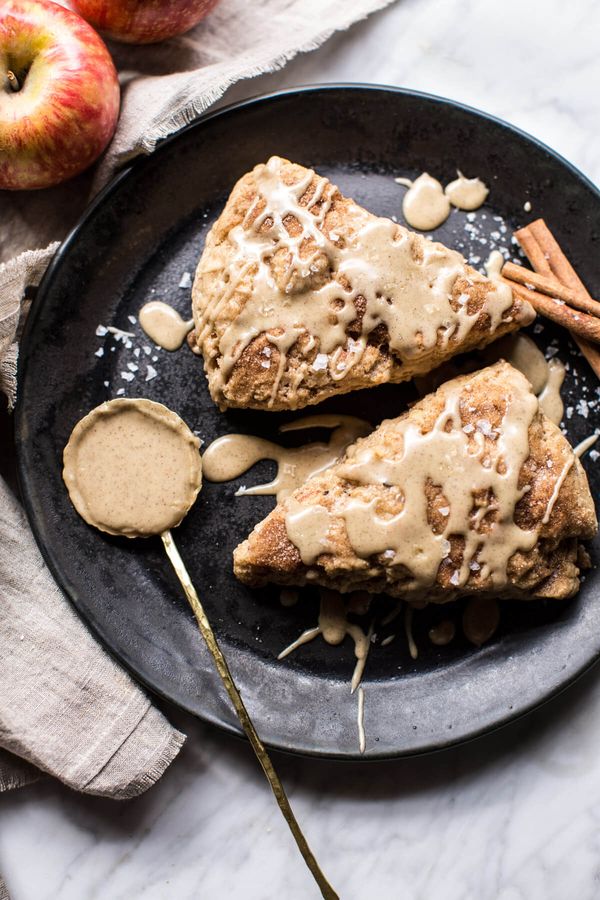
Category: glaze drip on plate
<point>163,324</point>
<point>425,206</point>
<point>334,627</point>
<point>231,455</point>
<point>466,193</point>
<point>545,376</point>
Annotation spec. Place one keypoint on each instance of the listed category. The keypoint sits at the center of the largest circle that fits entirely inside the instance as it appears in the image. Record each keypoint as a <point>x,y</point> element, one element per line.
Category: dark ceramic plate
<point>135,241</point>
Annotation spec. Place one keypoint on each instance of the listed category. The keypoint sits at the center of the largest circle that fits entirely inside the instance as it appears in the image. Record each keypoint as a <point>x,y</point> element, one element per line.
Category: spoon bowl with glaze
<point>132,467</point>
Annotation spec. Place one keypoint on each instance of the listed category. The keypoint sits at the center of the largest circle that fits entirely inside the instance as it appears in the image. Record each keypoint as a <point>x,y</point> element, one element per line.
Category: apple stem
<point>13,81</point>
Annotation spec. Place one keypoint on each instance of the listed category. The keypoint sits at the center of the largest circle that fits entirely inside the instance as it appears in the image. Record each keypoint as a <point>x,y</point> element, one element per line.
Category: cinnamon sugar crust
<point>290,325</point>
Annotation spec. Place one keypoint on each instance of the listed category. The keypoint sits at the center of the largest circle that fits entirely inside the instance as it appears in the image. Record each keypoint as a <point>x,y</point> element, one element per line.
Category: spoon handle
<point>257,745</point>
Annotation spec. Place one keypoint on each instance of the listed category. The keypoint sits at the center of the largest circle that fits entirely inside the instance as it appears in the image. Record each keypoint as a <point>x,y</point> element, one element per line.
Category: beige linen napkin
<point>65,706</point>
<point>15,772</point>
<point>16,278</point>
<point>238,40</point>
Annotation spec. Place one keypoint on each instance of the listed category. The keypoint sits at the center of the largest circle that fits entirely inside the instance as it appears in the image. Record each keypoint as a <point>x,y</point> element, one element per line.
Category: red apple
<point>143,21</point>
<point>59,94</point>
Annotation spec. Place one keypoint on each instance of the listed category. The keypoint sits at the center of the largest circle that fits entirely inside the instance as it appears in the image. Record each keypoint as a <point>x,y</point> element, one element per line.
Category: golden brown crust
<point>250,384</point>
<point>548,570</point>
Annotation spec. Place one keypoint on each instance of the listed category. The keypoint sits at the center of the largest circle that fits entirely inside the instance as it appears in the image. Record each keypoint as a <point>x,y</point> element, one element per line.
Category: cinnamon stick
<point>551,287</point>
<point>558,311</point>
<point>565,273</point>
<point>533,251</point>
<point>546,257</point>
<point>560,266</point>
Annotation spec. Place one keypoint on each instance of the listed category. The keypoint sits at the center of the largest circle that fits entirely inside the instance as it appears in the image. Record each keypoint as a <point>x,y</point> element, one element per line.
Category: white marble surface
<point>515,816</point>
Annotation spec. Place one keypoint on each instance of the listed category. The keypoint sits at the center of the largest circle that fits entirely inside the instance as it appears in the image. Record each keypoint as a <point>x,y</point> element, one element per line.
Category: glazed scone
<point>300,294</point>
<point>473,491</point>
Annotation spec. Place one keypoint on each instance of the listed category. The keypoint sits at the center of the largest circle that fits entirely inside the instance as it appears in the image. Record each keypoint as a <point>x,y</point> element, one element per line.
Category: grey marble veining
<point>514,816</point>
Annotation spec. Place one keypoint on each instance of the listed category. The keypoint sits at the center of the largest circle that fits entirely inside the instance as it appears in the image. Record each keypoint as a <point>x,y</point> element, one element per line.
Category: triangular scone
<point>301,294</point>
<point>473,490</point>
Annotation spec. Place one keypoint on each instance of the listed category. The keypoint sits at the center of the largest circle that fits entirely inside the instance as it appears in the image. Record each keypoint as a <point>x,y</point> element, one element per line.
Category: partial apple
<point>143,21</point>
<point>59,94</point>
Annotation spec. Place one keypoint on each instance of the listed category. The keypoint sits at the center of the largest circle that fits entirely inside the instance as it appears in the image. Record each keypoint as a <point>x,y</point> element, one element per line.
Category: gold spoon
<point>132,468</point>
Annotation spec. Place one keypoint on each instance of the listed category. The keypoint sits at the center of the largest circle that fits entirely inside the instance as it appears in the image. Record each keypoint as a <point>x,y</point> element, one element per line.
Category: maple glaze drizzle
<point>585,445</point>
<point>466,461</point>
<point>545,376</point>
<point>163,325</point>
<point>230,456</point>
<point>334,626</point>
<point>550,400</point>
<point>295,281</point>
<point>360,720</point>
<point>425,205</point>
<point>466,193</point>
